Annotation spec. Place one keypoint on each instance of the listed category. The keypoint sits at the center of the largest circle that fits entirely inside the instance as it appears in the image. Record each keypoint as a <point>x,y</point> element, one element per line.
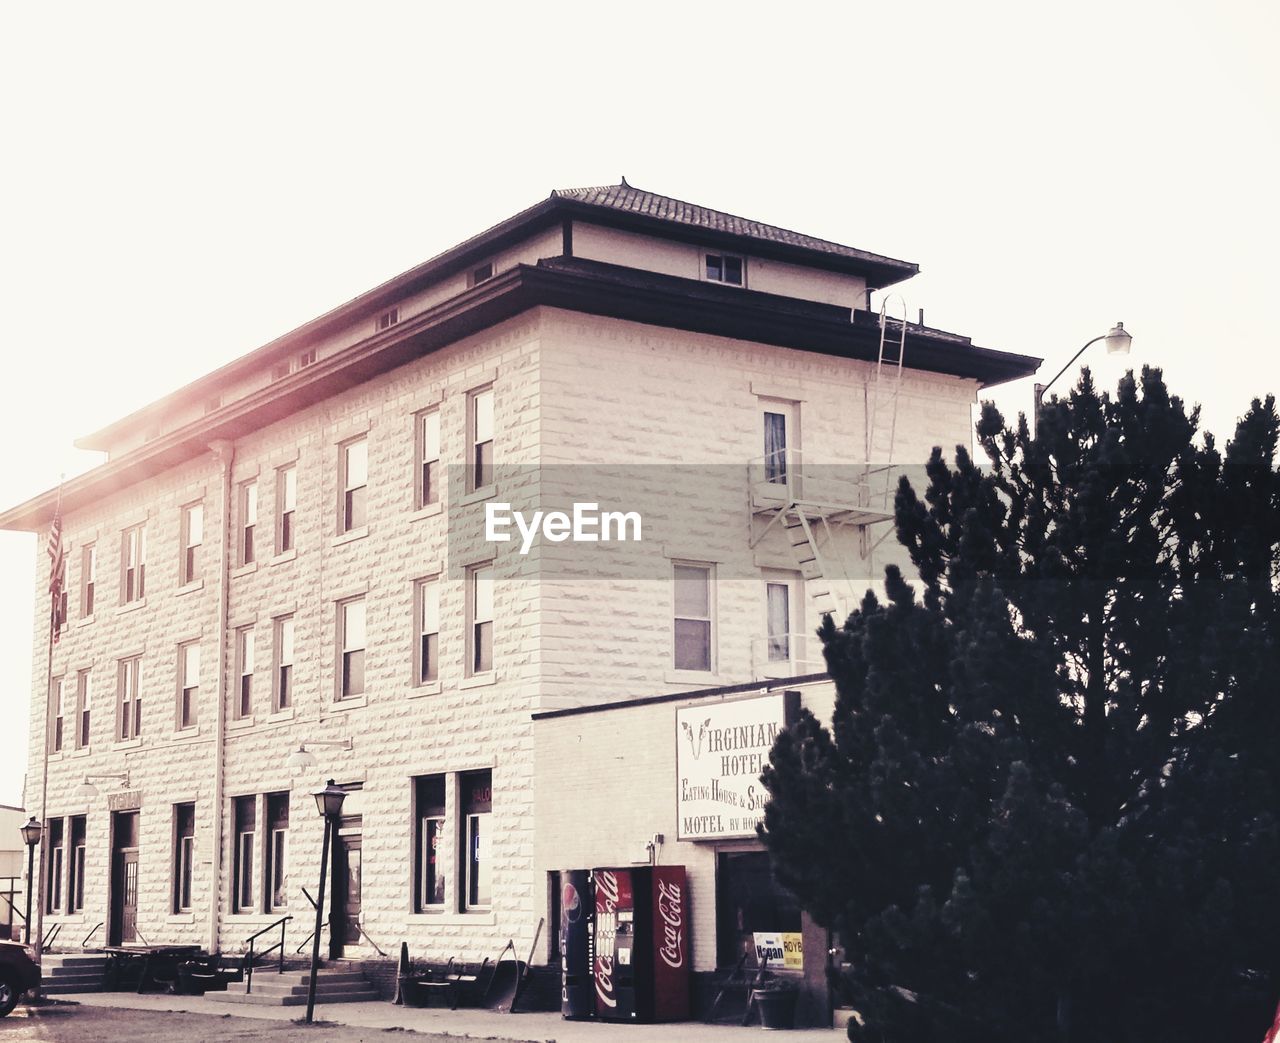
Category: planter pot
<point>776,1007</point>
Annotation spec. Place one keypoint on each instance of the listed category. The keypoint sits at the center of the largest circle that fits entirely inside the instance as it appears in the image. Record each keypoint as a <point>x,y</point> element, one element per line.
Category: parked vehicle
<point>18,974</point>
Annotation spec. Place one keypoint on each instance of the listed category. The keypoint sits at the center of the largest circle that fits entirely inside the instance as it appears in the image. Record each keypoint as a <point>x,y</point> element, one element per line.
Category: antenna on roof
<point>624,181</point>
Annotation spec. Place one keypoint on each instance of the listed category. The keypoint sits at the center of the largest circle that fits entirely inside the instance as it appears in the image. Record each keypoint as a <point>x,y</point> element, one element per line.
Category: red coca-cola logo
<point>604,981</point>
<point>606,892</point>
<point>671,913</point>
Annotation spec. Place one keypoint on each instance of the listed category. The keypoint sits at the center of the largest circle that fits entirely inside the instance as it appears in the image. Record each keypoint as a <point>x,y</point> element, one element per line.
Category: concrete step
<point>290,988</point>
<point>261,1000</point>
<point>72,970</point>
<point>295,978</point>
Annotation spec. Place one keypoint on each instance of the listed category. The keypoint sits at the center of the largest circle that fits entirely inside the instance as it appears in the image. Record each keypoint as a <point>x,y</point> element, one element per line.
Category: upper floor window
<point>427,668</point>
<point>244,672</point>
<point>351,641</point>
<point>725,268</point>
<point>481,273</point>
<point>693,635</point>
<point>480,426</point>
<point>133,561</point>
<point>248,522</point>
<point>192,537</point>
<point>355,484</point>
<point>480,619</point>
<point>84,696</point>
<point>428,476</point>
<point>57,709</point>
<point>307,358</point>
<point>88,577</point>
<point>388,318</point>
<point>282,697</point>
<point>286,507</point>
<point>129,701</point>
<point>188,684</point>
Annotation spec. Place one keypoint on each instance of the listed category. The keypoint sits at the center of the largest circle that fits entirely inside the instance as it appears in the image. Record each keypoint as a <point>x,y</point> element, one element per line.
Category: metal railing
<point>252,939</point>
<point>307,940</point>
<point>48,938</point>
<point>85,942</point>
<point>784,476</point>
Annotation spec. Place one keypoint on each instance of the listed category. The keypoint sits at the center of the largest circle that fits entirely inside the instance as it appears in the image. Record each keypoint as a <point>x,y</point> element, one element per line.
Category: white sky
<point>180,185</point>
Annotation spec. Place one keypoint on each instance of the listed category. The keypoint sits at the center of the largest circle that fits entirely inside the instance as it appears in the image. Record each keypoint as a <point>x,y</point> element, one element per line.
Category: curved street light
<point>1118,341</point>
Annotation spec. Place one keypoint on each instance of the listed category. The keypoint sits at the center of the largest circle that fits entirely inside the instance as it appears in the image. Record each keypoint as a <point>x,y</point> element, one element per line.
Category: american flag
<point>57,568</point>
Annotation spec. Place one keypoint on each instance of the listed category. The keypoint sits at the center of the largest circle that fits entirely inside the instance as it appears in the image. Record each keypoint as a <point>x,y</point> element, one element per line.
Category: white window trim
<point>710,568</point>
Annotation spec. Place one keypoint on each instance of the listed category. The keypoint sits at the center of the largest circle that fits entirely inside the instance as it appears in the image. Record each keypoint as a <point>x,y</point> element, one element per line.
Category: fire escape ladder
<point>882,403</point>
<point>820,560</point>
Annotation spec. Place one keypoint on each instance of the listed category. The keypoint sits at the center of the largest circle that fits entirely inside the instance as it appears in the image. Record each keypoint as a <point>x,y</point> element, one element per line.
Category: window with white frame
<point>693,630</point>
<point>282,697</point>
<point>388,318</point>
<point>55,839</point>
<point>88,578</point>
<point>248,521</point>
<point>427,614</point>
<point>184,855</point>
<point>57,711</point>
<point>477,815</point>
<point>276,876</point>
<point>480,427</point>
<point>726,268</point>
<point>479,610</point>
<point>244,672</point>
<point>777,610</point>
<point>192,537</point>
<point>430,873</point>
<point>84,696</point>
<point>129,701</point>
<point>428,476</point>
<point>188,684</point>
<point>245,830</point>
<point>351,641</point>
<point>286,507</point>
<point>75,864</point>
<point>354,457</point>
<point>133,562</point>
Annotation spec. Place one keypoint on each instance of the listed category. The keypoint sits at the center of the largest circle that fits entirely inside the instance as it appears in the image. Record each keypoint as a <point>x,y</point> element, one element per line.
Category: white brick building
<point>292,550</point>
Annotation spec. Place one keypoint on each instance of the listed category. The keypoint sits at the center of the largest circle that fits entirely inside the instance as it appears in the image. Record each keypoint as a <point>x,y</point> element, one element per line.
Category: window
<point>307,358</point>
<point>133,557</point>
<point>84,693</point>
<point>130,700</point>
<point>57,709</point>
<point>778,621</point>
<point>351,642</point>
<point>286,507</point>
<point>693,617</point>
<point>88,577</point>
<point>188,684</point>
<point>481,273</point>
<point>246,828</point>
<point>355,482</point>
<point>477,811</point>
<point>277,874</point>
<point>429,866</point>
<point>428,476</point>
<point>479,619</point>
<point>192,537</point>
<point>480,424</point>
<point>388,318</point>
<point>53,892</point>
<point>282,697</point>
<point>248,521</point>
<point>427,666</point>
<point>184,855</point>
<point>725,268</point>
<point>75,866</point>
<point>244,672</point>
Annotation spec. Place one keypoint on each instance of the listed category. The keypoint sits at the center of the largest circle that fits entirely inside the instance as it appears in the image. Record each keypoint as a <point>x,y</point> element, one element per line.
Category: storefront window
<point>749,902</point>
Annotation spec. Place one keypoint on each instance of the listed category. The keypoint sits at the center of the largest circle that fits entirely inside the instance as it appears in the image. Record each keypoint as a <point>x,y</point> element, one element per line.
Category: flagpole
<point>54,595</point>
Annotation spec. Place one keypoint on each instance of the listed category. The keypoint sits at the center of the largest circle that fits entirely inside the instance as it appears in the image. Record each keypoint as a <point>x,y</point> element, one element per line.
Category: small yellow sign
<point>786,949</point>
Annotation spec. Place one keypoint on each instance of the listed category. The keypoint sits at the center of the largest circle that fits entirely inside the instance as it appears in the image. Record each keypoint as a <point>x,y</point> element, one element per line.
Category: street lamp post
<point>31,837</point>
<point>329,804</point>
<point>1118,341</point>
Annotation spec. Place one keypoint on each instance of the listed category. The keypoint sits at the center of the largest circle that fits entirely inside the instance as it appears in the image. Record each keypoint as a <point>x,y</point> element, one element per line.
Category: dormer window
<point>482,274</point>
<point>726,268</point>
<point>307,358</point>
<point>388,318</point>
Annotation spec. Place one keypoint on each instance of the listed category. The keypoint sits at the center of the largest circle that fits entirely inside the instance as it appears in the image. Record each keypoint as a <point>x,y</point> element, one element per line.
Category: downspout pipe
<point>224,451</point>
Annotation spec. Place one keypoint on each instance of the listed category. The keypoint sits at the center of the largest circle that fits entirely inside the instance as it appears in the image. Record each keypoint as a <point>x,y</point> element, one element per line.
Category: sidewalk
<point>469,1023</point>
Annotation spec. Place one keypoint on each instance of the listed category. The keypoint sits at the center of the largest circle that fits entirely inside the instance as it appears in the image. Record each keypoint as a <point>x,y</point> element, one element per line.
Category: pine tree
<point>1046,806</point>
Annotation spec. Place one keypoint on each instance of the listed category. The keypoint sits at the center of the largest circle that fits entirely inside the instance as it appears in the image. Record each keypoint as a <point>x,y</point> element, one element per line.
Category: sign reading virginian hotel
<point>721,748</point>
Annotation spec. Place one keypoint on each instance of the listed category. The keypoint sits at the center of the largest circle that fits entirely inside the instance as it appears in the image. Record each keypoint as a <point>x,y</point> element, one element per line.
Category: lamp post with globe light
<point>31,837</point>
<point>329,804</point>
<point>1118,342</point>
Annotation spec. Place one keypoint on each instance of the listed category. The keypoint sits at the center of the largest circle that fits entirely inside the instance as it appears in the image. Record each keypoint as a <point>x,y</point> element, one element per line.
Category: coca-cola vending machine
<point>577,993</point>
<point>641,944</point>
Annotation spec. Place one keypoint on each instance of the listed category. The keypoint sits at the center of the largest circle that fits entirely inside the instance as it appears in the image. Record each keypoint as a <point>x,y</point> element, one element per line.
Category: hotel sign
<point>721,749</point>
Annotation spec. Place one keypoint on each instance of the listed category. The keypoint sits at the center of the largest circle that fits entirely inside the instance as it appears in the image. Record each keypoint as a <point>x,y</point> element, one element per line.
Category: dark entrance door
<point>344,926</point>
<point>124,878</point>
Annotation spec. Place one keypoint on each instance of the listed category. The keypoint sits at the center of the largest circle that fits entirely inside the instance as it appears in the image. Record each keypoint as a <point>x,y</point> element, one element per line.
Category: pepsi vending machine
<point>577,994</point>
<point>641,944</point>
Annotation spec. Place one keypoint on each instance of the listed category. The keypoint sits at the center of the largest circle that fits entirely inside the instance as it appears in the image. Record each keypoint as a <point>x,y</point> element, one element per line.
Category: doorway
<point>123,914</point>
<point>344,923</point>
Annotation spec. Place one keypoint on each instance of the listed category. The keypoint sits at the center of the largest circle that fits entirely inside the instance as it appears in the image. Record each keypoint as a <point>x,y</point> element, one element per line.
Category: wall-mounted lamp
<point>87,790</point>
<point>302,759</point>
